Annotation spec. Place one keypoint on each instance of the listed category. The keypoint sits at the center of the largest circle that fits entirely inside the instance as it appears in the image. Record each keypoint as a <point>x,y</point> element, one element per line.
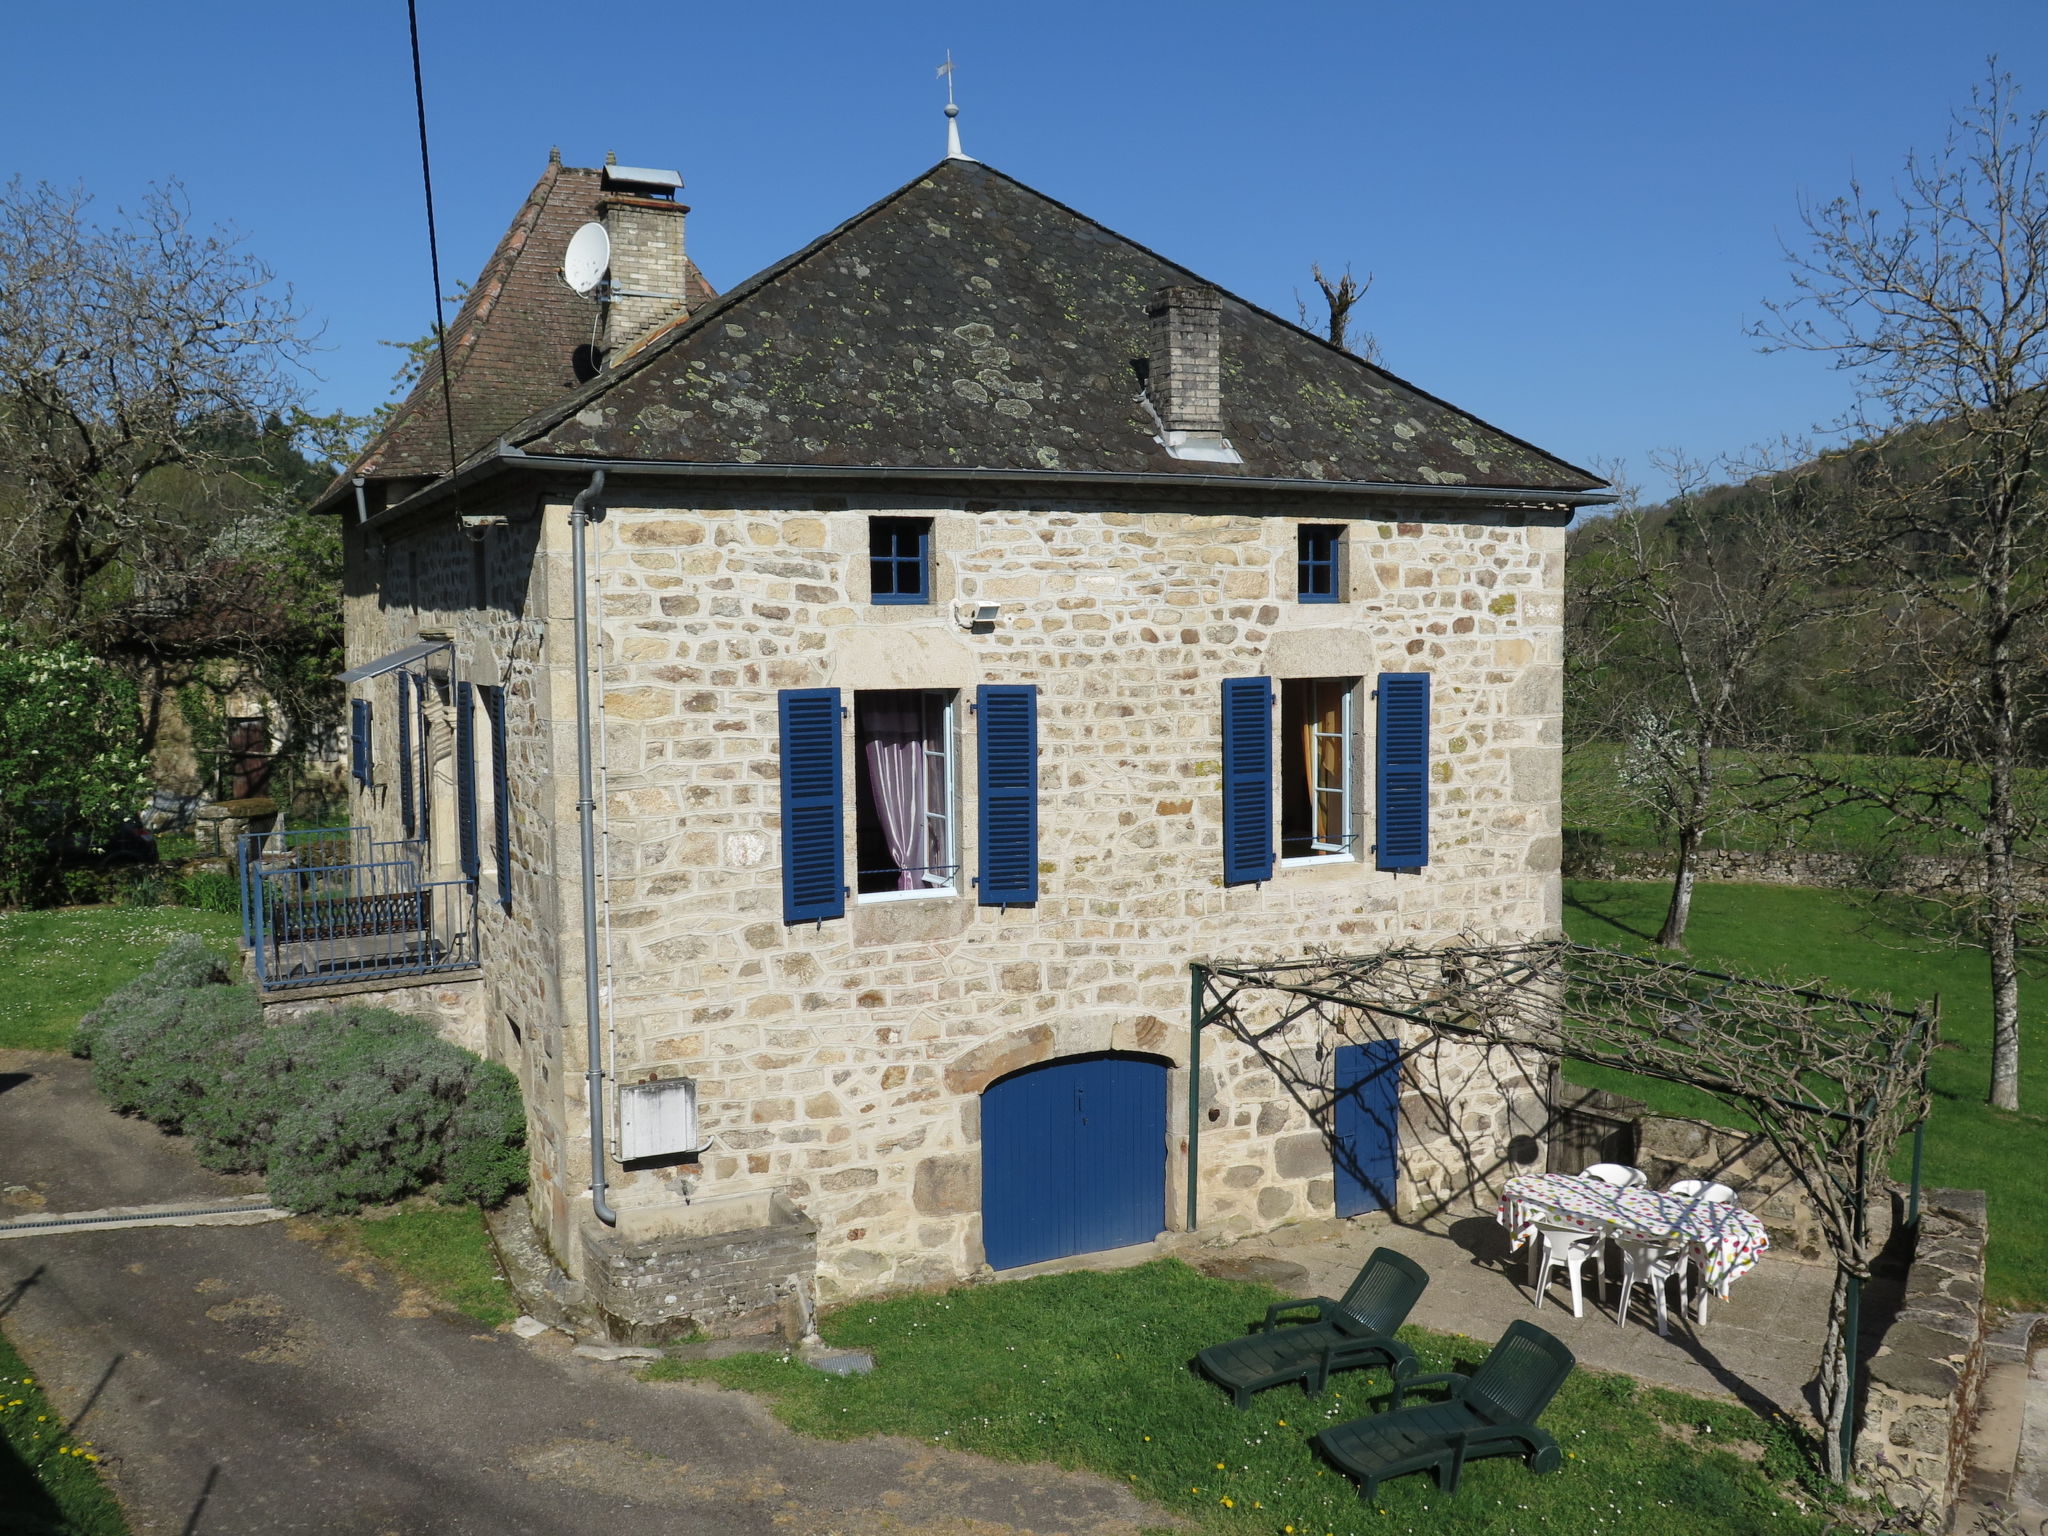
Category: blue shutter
<point>1247,779</point>
<point>405,780</point>
<point>465,781</point>
<point>1403,813</point>
<point>501,793</point>
<point>1008,716</point>
<point>359,740</point>
<point>813,810</point>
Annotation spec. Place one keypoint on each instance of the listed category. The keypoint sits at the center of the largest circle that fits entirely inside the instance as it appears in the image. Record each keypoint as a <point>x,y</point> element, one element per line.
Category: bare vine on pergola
<point>1833,1082</point>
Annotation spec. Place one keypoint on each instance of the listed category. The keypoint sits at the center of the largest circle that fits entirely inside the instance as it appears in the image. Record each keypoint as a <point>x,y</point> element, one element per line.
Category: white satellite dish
<point>589,255</point>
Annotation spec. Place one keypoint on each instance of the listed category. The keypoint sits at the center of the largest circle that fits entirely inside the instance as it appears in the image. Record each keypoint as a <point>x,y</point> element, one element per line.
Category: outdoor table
<point>1721,1237</point>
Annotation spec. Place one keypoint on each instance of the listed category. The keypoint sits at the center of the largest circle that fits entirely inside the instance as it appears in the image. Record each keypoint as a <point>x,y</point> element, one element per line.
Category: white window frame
<point>1344,788</point>
<point>946,817</point>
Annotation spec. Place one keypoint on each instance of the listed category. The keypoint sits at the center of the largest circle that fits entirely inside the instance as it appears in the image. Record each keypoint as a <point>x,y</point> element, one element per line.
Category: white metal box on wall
<point>657,1119</point>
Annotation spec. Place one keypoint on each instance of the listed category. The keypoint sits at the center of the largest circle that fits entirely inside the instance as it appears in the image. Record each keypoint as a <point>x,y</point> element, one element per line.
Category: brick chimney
<point>645,223</point>
<point>1185,377</point>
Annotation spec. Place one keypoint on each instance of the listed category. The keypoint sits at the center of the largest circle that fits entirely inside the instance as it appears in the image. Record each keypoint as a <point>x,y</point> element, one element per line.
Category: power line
<point>419,96</point>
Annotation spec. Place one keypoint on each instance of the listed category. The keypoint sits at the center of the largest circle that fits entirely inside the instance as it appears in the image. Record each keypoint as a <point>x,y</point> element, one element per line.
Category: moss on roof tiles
<point>966,320</point>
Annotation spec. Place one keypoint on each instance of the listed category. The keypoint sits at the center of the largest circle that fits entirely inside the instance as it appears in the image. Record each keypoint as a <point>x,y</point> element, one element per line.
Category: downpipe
<point>580,515</point>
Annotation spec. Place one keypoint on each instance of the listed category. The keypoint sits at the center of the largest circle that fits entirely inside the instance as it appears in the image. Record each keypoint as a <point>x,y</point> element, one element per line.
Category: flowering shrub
<point>337,1109</point>
<point>69,765</point>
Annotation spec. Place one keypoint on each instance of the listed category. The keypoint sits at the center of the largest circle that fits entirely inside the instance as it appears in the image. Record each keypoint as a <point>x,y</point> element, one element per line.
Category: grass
<point>56,966</point>
<point>444,1250</point>
<point>1834,935</point>
<point>1090,1371</point>
<point>49,1481</point>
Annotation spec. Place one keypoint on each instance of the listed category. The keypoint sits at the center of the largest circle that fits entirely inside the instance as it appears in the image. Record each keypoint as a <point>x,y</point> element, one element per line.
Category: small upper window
<point>900,559</point>
<point>1320,548</point>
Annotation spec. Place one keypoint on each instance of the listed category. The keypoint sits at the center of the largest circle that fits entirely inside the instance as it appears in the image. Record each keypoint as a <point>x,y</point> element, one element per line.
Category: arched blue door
<point>1073,1159</point>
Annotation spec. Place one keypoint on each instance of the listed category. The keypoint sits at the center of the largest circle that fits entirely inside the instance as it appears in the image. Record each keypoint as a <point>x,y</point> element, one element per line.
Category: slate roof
<point>514,343</point>
<point>969,321</point>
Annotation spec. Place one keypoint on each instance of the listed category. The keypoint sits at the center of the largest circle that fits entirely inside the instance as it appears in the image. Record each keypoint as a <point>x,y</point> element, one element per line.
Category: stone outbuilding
<point>987,617</point>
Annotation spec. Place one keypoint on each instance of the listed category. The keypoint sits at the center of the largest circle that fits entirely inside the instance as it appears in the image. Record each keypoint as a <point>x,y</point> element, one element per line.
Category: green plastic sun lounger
<point>1492,1412</point>
<point>1340,1335</point>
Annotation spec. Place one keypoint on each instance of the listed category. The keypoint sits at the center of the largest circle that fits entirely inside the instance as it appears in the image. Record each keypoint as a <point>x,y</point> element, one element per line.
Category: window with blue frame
<point>1320,554</point>
<point>900,559</point>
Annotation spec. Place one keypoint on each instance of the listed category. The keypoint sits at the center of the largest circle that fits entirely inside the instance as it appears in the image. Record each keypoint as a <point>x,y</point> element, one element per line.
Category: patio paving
<point>1761,1346</point>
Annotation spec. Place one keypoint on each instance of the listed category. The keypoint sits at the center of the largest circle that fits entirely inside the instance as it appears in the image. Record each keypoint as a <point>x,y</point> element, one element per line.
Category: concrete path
<point>1761,1346</point>
<point>244,1380</point>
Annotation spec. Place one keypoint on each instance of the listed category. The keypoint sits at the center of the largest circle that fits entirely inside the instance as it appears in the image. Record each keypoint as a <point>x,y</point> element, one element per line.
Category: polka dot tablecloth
<point>1725,1239</point>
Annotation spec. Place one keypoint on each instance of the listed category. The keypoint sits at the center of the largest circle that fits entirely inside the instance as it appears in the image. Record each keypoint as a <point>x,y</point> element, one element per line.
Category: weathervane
<point>953,149</point>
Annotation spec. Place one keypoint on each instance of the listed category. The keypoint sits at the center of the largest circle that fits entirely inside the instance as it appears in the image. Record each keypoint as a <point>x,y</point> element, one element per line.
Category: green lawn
<point>1090,1371</point>
<point>443,1249</point>
<point>55,966</point>
<point>1831,936</point>
<point>49,1481</point>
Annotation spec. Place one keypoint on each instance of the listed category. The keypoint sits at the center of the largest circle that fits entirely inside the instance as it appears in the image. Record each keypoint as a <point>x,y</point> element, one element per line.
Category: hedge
<point>338,1109</point>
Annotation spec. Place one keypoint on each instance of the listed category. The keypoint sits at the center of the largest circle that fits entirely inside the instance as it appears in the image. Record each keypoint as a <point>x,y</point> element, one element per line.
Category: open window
<point>906,816</point>
<point>1317,769</point>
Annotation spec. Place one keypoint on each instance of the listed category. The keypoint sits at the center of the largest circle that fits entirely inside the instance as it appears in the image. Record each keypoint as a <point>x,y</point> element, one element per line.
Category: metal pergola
<point>1834,1082</point>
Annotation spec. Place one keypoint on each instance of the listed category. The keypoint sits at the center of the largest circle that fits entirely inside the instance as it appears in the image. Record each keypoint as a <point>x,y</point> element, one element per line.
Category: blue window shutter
<point>1403,814</point>
<point>813,810</point>
<point>1008,717</point>
<point>1247,779</point>
<point>359,740</point>
<point>501,793</point>
<point>405,780</point>
<point>465,780</point>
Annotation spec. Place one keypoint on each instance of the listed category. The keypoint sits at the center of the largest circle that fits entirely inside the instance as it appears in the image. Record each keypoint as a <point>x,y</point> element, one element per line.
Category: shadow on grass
<point>1578,903</point>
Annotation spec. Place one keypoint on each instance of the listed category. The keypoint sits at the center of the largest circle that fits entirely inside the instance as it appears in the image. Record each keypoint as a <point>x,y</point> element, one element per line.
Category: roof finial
<point>953,149</point>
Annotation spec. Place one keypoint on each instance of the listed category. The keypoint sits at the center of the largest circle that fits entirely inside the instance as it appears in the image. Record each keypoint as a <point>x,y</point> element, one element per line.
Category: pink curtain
<point>895,753</point>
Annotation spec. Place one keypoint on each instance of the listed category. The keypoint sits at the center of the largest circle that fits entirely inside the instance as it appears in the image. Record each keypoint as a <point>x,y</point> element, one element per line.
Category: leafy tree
<point>1934,296</point>
<point>69,770</point>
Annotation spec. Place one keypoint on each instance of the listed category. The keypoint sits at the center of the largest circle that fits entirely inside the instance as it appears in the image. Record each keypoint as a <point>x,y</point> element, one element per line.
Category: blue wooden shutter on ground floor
<point>1008,720</point>
<point>405,778</point>
<point>465,781</point>
<point>1366,1150</point>
<point>501,794</point>
<point>1247,779</point>
<point>813,806</point>
<point>359,741</point>
<point>1402,838</point>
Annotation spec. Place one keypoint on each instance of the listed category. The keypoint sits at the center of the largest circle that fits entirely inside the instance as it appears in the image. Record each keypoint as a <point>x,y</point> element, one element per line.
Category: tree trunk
<point>1672,934</point>
<point>1837,1368</point>
<point>2001,940</point>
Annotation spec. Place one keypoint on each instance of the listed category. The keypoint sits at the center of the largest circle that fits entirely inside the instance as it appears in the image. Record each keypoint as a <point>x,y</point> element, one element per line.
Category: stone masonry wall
<point>1920,1403</point>
<point>841,1062</point>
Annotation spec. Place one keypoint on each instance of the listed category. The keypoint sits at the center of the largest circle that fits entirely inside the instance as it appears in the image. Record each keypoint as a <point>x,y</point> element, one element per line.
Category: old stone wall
<point>1931,875</point>
<point>841,1062</point>
<point>454,1003</point>
<point>723,1268</point>
<point>1920,1401</point>
<point>1669,1147</point>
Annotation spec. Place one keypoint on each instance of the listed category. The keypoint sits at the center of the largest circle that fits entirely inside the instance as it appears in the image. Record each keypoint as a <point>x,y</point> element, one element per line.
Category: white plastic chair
<point>1701,1189</point>
<point>1566,1248</point>
<point>1646,1259</point>
<point>1616,1175</point>
<point>1710,1194</point>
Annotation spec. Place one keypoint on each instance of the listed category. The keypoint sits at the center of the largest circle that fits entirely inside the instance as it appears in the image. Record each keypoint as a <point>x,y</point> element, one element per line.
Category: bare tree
<point>1934,295</point>
<point>129,352</point>
<point>1683,606</point>
<point>1340,296</point>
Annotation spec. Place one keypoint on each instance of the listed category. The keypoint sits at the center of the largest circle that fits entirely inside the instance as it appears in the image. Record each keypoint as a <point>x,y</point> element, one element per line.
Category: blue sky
<point>1570,210</point>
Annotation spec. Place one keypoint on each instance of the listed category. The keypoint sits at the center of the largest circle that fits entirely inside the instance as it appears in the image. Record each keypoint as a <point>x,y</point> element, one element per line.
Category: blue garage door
<point>1073,1159</point>
<point>1367,1124</point>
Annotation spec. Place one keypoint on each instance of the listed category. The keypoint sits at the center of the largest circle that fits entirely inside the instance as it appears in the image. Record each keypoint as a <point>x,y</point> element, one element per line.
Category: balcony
<point>333,904</point>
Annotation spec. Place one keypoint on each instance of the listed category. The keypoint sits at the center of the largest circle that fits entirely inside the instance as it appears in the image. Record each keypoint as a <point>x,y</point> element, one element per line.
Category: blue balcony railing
<point>332,904</point>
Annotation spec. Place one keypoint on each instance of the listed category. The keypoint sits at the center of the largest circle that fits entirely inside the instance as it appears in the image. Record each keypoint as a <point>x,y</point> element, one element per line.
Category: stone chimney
<point>645,223</point>
<point>1185,376</point>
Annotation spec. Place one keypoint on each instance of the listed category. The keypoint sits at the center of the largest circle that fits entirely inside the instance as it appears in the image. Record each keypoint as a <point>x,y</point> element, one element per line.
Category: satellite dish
<point>589,255</point>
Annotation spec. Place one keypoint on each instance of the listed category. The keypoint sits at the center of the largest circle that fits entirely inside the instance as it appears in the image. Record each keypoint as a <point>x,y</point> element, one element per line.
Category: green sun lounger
<point>1341,1335</point>
<point>1492,1412</point>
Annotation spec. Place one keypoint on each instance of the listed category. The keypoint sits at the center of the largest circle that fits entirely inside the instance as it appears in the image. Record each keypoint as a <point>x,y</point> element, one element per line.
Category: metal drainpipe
<point>586,810</point>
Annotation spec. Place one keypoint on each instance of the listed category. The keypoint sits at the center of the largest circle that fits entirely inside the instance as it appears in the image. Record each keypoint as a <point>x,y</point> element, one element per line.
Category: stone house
<point>987,618</point>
